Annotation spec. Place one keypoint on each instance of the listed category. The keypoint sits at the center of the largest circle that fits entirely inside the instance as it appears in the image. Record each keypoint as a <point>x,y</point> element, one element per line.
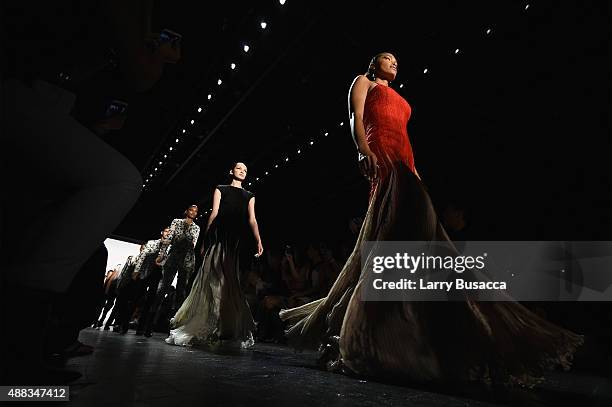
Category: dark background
<point>514,127</point>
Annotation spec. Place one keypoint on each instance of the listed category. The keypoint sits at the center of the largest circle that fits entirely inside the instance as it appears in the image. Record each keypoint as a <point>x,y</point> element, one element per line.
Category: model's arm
<point>215,208</point>
<point>213,214</point>
<point>125,268</point>
<point>195,235</point>
<point>254,227</point>
<point>173,226</point>
<point>142,255</point>
<point>161,251</point>
<point>357,97</point>
<point>166,243</point>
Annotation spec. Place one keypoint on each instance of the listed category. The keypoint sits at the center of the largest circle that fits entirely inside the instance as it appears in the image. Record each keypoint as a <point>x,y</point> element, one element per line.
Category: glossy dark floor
<point>129,370</point>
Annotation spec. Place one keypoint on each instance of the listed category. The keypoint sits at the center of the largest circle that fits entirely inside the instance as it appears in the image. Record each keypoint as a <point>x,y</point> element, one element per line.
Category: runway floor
<point>130,370</point>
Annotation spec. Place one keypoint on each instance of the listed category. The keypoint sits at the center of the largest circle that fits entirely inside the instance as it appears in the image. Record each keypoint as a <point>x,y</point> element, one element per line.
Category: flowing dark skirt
<point>424,341</point>
<point>216,310</point>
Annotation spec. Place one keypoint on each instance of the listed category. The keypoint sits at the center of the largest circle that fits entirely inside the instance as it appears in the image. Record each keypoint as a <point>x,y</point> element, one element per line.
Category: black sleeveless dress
<point>216,310</point>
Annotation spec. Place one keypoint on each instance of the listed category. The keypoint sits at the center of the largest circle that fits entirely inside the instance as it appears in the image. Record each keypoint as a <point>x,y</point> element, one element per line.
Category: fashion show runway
<point>129,370</point>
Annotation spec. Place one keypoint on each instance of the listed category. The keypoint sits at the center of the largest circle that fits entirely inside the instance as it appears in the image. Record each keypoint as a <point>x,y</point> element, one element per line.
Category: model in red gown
<point>420,341</point>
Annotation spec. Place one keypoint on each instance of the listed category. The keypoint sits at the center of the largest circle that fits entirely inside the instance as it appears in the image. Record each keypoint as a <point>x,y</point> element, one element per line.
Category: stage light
<point>282,2</point>
<point>287,159</point>
<point>266,172</point>
<point>150,175</point>
<point>276,166</point>
<point>170,148</point>
<point>425,70</point>
<point>326,134</point>
<point>263,25</point>
<point>160,163</point>
<point>299,151</point>
<point>165,155</point>
<point>184,131</point>
<point>209,96</point>
<point>341,123</point>
<point>233,66</point>
<point>401,85</point>
<point>155,169</point>
<point>312,142</point>
<point>192,121</point>
<point>256,179</point>
<point>246,48</point>
<point>456,51</point>
<point>199,109</point>
<point>249,184</point>
<point>488,31</point>
<point>219,82</point>
<point>177,140</point>
<point>527,7</point>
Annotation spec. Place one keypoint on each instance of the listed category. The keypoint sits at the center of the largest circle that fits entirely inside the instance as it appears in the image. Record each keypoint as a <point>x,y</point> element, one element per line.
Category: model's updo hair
<point>371,74</point>
<point>230,175</point>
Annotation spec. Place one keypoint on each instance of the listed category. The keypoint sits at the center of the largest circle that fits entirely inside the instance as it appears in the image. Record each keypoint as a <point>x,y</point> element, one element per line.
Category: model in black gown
<point>216,309</point>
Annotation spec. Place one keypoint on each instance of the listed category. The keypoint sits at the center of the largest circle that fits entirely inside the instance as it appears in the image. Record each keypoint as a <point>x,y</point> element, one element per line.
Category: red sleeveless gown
<point>385,117</point>
<point>419,341</point>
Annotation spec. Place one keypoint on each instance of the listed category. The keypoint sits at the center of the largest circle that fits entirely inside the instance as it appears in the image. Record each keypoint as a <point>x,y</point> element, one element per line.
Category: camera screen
<point>115,108</point>
<point>169,36</point>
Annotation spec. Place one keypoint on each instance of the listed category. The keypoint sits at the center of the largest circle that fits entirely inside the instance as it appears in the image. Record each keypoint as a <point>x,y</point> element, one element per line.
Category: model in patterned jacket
<point>178,257</point>
<point>143,283</point>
